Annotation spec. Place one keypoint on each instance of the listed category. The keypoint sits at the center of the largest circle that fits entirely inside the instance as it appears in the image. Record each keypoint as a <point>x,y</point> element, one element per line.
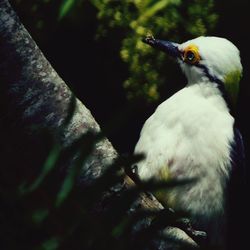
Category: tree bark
<point>34,95</point>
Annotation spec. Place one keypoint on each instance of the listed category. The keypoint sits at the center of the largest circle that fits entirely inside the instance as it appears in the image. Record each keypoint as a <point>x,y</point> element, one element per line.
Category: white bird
<point>193,135</point>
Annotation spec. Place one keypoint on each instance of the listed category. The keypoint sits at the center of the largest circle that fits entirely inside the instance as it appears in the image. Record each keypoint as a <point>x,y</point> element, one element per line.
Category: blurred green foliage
<point>65,7</point>
<point>166,19</point>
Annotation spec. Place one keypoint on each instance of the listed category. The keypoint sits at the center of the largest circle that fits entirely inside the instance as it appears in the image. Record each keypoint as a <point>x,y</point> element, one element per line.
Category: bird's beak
<point>168,47</point>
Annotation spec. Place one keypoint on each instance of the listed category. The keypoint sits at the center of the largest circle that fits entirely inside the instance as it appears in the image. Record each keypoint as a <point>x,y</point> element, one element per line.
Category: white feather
<point>191,134</point>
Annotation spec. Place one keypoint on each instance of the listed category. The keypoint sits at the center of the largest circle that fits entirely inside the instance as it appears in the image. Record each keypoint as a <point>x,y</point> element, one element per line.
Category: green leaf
<point>40,215</point>
<point>65,8</point>
<point>67,186</point>
<point>120,228</point>
<point>47,167</point>
<point>51,244</point>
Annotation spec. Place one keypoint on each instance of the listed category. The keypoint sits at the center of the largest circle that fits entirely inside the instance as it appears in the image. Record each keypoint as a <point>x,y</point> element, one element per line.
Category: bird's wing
<point>238,154</point>
<point>238,161</point>
<point>237,193</point>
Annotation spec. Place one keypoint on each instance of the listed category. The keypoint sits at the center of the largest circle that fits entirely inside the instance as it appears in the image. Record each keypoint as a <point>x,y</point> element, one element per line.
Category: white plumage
<point>191,134</point>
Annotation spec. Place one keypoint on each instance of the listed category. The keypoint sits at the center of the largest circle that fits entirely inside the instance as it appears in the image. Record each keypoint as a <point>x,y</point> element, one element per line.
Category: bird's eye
<point>191,55</point>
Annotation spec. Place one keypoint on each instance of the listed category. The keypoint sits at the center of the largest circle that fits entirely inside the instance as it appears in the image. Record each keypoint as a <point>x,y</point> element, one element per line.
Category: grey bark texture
<point>33,94</point>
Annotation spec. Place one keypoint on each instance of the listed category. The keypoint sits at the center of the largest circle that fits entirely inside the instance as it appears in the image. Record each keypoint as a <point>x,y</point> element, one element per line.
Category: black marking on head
<point>208,75</point>
<point>220,85</point>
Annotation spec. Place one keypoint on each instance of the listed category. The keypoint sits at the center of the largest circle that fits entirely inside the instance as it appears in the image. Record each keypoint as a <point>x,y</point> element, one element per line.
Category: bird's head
<point>206,59</point>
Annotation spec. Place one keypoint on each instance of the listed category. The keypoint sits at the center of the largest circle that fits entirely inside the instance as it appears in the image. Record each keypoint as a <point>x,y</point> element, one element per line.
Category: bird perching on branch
<point>193,134</point>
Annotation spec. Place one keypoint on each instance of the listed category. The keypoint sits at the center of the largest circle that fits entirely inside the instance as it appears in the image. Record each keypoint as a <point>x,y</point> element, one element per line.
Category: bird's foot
<point>198,236</point>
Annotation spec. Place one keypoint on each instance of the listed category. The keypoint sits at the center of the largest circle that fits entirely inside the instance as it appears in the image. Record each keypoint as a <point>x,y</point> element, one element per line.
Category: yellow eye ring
<point>191,54</point>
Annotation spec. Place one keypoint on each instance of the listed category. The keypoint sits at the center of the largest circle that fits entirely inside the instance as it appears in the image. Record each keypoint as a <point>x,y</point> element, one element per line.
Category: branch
<point>33,94</point>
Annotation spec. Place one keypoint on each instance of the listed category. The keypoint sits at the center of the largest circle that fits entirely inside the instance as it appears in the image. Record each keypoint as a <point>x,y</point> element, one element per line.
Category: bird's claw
<point>198,236</point>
